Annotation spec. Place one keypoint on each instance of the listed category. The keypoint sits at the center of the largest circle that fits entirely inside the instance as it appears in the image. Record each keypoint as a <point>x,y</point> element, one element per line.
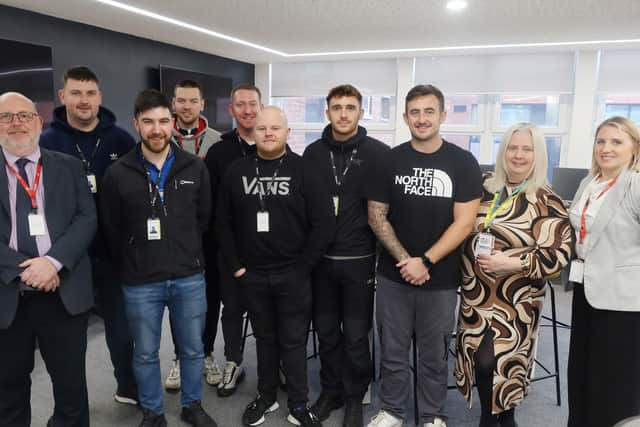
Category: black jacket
<point>125,206</point>
<point>300,218</point>
<point>353,236</point>
<point>219,157</point>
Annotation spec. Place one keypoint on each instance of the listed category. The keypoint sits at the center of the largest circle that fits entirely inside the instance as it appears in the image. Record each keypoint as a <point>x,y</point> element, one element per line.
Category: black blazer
<point>71,219</point>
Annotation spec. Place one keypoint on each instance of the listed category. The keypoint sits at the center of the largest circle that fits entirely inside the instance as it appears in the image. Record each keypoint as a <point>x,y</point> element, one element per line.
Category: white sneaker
<point>213,375</point>
<point>437,422</point>
<point>233,375</point>
<point>172,382</point>
<point>384,419</point>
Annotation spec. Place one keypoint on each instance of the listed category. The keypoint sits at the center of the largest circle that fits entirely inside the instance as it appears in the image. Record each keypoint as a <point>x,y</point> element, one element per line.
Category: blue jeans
<point>187,304</point>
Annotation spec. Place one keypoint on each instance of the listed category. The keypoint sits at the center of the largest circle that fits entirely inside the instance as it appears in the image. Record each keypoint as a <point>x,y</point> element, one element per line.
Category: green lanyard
<point>495,210</point>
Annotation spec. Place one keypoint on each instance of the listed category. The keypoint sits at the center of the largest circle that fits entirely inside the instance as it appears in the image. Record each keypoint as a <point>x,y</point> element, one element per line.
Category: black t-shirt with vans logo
<point>421,190</point>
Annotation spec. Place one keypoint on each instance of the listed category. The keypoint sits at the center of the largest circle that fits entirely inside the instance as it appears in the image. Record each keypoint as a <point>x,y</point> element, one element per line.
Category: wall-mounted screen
<point>26,68</point>
<point>216,93</point>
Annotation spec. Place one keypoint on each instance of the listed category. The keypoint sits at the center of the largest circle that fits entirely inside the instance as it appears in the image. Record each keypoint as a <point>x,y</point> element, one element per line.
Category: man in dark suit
<point>47,221</point>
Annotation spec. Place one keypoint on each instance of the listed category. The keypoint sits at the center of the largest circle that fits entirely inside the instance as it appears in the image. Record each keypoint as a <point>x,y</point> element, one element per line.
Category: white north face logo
<point>426,182</point>
<point>279,186</point>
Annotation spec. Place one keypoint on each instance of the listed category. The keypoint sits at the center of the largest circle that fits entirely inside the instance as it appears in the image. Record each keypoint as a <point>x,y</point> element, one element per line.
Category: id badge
<point>93,186</point>
<point>336,204</point>
<point>153,229</point>
<point>576,271</point>
<point>484,244</point>
<point>263,221</point>
<point>36,224</point>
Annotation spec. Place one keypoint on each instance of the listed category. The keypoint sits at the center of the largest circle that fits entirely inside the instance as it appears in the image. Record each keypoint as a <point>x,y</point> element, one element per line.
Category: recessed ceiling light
<point>456,5</point>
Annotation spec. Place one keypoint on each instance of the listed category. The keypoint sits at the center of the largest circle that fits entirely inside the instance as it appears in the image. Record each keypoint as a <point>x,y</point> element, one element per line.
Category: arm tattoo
<point>384,231</point>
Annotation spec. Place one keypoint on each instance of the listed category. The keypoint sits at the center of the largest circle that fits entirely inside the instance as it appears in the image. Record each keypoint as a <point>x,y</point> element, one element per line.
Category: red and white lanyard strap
<point>30,191</point>
<point>583,215</point>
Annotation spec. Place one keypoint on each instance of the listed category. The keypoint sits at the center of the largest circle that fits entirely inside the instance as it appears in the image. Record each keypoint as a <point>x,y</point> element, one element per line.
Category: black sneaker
<point>353,413</point>
<point>128,395</point>
<point>196,416</point>
<point>256,410</point>
<point>301,416</point>
<point>151,419</point>
<point>325,404</point>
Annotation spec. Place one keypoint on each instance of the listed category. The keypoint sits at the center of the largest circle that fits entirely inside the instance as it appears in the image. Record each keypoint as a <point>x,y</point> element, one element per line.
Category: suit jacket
<point>71,219</point>
<point>612,257</point>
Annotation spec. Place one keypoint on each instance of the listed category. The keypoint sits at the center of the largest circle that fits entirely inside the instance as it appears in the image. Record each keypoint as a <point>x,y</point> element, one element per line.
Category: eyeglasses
<point>23,117</point>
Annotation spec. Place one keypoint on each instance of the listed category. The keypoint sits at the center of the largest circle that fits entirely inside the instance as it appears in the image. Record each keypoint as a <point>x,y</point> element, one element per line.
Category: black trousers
<point>62,341</point>
<point>343,292</point>
<point>280,312</point>
<point>604,364</point>
<point>233,308</point>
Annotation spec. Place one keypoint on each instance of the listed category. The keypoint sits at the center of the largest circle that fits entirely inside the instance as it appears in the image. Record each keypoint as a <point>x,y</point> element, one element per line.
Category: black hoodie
<point>353,236</point>
<point>115,142</point>
<point>221,154</point>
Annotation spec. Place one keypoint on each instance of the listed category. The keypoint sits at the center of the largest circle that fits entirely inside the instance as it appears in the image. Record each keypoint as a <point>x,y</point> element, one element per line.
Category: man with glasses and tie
<point>47,221</point>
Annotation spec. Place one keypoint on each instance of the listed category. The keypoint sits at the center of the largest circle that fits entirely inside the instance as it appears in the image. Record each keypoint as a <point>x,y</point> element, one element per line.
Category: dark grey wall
<point>124,64</point>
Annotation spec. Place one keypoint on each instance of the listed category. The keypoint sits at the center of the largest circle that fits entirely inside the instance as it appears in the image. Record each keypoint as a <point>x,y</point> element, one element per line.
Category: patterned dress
<point>534,226</point>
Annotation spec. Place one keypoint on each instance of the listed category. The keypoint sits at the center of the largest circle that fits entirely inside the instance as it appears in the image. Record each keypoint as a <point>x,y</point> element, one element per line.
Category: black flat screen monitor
<point>216,93</point>
<point>26,68</point>
<point>566,180</point>
<point>487,168</point>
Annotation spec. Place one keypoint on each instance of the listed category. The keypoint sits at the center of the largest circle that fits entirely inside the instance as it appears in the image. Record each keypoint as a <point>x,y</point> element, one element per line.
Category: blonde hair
<point>627,126</point>
<point>537,177</point>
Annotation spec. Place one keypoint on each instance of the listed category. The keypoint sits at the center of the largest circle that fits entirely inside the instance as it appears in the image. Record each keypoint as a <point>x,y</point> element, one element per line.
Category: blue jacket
<point>115,142</point>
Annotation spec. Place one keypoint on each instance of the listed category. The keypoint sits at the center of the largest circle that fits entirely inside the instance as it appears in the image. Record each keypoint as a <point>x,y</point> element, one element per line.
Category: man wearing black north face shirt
<point>274,222</point>
<point>343,283</point>
<point>422,206</point>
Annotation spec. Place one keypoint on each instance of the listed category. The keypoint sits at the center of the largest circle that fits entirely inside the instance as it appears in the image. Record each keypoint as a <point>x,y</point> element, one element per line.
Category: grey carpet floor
<point>538,410</point>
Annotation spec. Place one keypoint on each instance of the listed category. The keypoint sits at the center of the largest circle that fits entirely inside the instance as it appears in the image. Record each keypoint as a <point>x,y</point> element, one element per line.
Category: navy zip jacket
<point>114,143</point>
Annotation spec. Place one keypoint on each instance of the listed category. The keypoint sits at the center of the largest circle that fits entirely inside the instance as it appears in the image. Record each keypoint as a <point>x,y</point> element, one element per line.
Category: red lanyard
<point>30,191</point>
<point>583,221</point>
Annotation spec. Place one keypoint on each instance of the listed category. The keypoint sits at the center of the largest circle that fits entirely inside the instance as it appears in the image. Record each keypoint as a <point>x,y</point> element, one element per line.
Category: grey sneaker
<point>212,374</point>
<point>172,383</point>
<point>233,375</point>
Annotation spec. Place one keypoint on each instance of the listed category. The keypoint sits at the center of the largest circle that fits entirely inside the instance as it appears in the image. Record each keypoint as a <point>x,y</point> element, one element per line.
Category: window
<point>541,110</point>
<point>462,109</point>
<point>299,140</point>
<point>468,142</point>
<point>307,118</point>
<point>622,105</point>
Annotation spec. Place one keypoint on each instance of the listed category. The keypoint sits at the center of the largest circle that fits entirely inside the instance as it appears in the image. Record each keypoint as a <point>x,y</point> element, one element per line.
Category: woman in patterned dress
<point>521,236</point>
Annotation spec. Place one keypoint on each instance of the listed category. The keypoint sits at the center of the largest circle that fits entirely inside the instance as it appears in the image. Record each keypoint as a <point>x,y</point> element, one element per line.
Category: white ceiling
<point>309,26</point>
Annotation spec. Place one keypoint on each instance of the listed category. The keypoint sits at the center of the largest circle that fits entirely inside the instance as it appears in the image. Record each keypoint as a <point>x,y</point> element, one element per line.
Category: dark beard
<point>150,147</point>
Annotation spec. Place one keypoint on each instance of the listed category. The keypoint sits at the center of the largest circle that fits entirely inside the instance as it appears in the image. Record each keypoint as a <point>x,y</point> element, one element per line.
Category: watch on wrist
<point>427,261</point>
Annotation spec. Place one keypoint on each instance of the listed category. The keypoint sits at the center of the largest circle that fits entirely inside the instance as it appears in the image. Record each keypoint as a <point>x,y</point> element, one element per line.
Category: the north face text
<point>426,182</point>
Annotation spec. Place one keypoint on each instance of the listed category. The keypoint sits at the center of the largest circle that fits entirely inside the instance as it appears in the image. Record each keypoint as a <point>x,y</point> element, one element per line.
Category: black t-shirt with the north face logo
<point>421,190</point>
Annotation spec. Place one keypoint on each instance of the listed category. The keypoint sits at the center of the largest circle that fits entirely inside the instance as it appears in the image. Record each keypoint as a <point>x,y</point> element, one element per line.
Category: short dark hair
<point>245,86</point>
<point>84,74</point>
<point>189,84</point>
<point>149,99</point>
<point>344,90</point>
<point>424,90</point>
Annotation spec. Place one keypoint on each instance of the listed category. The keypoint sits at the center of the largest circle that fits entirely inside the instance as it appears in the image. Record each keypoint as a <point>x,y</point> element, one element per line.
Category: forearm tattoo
<point>384,231</point>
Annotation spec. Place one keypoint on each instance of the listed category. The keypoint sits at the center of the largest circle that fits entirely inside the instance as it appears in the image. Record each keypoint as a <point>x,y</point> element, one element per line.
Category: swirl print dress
<point>535,228</point>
